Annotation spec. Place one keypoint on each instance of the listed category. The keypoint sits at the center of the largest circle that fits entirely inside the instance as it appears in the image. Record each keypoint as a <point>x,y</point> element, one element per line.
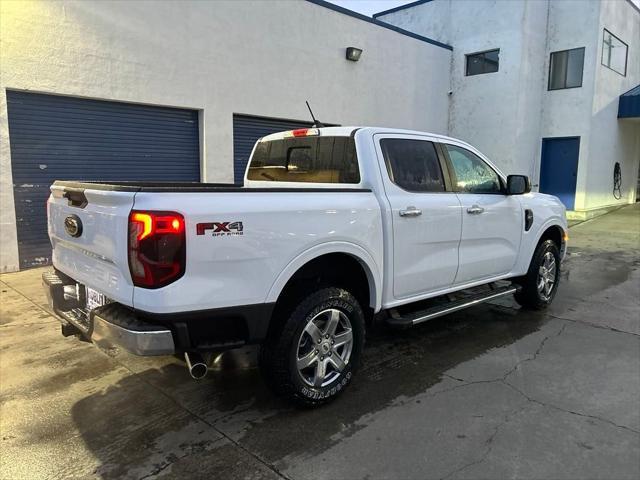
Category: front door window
<point>472,174</point>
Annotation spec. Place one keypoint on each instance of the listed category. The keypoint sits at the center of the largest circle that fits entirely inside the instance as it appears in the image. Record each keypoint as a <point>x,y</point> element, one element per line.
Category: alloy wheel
<point>547,275</point>
<point>324,347</point>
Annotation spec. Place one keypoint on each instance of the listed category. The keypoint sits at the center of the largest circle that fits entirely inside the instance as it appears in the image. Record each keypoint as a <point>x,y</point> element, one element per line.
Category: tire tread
<point>275,352</point>
<point>528,296</point>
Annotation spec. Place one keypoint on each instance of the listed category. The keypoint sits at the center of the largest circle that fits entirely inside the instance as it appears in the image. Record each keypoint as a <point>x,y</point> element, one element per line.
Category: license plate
<point>94,299</point>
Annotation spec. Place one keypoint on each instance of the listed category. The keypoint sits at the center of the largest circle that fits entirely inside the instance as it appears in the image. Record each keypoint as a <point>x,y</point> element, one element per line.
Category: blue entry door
<point>559,168</point>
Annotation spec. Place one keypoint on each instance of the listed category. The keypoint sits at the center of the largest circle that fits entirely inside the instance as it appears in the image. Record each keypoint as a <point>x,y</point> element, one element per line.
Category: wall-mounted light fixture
<point>353,54</point>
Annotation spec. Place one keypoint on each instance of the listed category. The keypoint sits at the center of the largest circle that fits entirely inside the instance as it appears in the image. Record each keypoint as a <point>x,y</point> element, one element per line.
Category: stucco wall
<point>496,112</point>
<point>506,114</point>
<point>223,57</point>
<point>433,17</point>
<point>613,140</point>
<point>567,112</point>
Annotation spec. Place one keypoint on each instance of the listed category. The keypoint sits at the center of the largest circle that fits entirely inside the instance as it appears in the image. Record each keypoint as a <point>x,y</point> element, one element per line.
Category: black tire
<point>280,353</point>
<point>530,296</point>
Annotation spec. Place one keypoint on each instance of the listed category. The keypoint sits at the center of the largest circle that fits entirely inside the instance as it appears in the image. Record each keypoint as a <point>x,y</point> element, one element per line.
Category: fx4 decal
<point>220,229</point>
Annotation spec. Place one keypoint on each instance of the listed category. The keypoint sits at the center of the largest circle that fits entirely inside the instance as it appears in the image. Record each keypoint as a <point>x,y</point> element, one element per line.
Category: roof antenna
<point>316,123</point>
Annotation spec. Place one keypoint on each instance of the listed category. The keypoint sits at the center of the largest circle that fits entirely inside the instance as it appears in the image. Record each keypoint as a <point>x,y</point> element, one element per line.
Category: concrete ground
<point>491,392</point>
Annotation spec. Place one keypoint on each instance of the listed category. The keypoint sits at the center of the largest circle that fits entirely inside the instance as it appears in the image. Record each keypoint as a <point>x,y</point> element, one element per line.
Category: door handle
<point>410,212</point>
<point>475,210</point>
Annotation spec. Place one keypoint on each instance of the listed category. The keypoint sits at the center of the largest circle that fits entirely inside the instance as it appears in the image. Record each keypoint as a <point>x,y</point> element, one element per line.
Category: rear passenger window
<point>413,164</point>
<point>306,159</point>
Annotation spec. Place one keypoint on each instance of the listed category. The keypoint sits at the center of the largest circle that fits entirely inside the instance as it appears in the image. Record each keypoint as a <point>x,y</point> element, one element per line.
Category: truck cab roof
<point>350,130</point>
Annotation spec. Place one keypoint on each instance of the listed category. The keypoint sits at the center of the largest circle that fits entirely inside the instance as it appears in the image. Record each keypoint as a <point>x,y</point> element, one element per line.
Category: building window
<point>614,53</point>
<point>565,69</point>
<point>483,62</point>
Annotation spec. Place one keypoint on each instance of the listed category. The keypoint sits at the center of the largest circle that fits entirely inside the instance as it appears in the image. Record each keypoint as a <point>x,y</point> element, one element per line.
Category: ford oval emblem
<point>73,225</point>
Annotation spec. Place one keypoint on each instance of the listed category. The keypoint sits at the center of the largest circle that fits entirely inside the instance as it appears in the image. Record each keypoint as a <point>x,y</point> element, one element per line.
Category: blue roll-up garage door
<point>64,138</point>
<point>247,130</point>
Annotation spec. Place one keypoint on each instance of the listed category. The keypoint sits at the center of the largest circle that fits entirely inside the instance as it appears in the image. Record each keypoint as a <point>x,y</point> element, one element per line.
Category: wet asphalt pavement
<point>490,392</point>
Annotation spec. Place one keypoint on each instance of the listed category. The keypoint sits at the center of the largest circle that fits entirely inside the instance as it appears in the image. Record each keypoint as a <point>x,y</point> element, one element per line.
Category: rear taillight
<point>156,248</point>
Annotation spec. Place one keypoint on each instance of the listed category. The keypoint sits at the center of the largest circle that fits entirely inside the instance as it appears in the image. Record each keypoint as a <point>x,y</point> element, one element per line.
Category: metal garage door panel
<point>246,132</point>
<point>64,138</point>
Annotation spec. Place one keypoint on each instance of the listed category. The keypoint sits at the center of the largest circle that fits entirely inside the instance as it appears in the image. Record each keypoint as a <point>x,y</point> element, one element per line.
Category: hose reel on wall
<point>617,181</point>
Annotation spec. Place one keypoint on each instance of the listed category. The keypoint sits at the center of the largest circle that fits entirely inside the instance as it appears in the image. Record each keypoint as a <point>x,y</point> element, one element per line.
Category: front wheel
<point>540,284</point>
<point>313,357</point>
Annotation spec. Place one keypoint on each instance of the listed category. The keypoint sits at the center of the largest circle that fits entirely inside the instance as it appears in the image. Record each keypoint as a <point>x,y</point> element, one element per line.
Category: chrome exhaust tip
<point>196,364</point>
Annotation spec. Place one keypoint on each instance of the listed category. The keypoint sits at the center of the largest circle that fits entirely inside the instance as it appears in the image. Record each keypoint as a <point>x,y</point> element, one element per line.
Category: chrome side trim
<point>464,305</point>
<point>143,342</point>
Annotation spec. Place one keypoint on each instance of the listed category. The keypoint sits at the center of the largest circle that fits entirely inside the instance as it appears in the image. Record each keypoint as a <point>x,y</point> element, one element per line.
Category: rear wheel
<point>313,356</point>
<point>540,284</point>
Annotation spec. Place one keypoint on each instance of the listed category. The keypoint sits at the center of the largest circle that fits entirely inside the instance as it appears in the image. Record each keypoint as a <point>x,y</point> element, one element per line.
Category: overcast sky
<point>369,7</point>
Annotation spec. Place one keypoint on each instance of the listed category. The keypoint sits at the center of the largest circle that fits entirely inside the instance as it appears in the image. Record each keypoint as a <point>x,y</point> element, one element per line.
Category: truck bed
<point>276,228</point>
<point>188,187</point>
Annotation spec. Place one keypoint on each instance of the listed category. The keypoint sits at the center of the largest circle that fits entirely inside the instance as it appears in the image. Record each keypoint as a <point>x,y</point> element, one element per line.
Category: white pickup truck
<point>332,226</point>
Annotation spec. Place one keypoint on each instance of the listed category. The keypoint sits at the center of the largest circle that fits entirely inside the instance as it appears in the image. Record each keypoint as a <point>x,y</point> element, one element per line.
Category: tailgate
<point>89,233</point>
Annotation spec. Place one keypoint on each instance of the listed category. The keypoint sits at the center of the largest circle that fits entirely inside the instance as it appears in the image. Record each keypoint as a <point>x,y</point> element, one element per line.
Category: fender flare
<point>367,261</point>
<point>552,222</point>
<point>523,265</point>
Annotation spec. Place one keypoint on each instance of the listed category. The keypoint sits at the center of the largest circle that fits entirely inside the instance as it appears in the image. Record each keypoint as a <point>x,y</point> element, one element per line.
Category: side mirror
<point>518,184</point>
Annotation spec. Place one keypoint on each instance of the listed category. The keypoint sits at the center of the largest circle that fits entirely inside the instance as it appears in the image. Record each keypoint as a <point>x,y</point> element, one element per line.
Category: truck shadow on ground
<point>148,420</point>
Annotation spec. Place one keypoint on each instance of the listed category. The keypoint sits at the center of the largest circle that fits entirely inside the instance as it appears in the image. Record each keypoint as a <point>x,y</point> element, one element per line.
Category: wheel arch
<point>552,229</point>
<point>330,254</point>
<point>553,232</point>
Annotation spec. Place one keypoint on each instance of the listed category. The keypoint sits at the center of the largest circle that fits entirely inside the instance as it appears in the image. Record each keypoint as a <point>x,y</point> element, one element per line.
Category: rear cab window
<point>309,159</point>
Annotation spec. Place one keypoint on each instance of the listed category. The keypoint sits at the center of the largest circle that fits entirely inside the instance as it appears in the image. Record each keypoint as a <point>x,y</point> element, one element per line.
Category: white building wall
<point>531,75</point>
<point>567,112</point>
<point>496,112</point>
<point>507,114</point>
<point>612,139</point>
<point>433,17</point>
<point>223,57</point>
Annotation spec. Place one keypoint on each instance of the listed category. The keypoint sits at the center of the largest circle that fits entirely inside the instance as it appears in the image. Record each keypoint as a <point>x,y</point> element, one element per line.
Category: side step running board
<point>414,318</point>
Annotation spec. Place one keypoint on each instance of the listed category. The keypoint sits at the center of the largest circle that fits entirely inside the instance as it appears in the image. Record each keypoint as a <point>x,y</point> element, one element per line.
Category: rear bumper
<point>144,333</point>
<point>110,326</point>
<point>134,337</point>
